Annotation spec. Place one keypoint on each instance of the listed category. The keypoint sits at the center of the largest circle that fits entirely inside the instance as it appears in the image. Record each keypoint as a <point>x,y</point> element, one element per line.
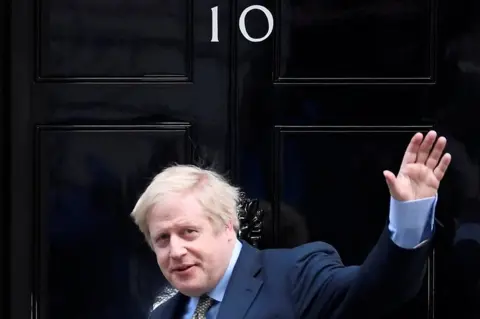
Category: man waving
<point>188,216</point>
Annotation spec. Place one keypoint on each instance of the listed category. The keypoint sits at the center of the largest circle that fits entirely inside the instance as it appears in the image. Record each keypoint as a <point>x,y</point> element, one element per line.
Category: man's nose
<point>177,248</point>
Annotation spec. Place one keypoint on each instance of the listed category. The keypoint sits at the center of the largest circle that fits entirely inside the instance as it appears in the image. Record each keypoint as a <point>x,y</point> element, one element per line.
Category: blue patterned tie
<point>203,306</point>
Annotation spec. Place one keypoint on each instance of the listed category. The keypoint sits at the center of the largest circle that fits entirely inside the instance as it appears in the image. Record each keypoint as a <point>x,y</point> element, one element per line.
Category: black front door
<point>303,104</point>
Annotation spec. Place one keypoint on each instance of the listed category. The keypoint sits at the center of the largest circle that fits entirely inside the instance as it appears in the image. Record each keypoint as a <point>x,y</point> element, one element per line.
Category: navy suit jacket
<point>310,281</point>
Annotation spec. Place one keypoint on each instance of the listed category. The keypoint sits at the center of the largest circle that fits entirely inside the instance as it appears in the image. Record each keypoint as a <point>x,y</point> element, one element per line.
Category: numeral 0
<point>241,23</point>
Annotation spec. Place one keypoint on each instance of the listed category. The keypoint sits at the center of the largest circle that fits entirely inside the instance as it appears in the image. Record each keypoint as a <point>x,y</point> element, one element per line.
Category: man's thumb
<point>390,179</point>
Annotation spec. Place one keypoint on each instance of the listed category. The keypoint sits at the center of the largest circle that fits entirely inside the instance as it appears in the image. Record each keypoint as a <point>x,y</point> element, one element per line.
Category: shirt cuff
<point>412,222</point>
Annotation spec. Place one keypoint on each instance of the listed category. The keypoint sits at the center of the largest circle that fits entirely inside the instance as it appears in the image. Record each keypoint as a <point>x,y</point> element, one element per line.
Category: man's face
<point>192,252</point>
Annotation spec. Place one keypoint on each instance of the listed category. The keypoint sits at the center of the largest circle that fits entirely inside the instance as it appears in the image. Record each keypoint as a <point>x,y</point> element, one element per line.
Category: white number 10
<point>241,23</point>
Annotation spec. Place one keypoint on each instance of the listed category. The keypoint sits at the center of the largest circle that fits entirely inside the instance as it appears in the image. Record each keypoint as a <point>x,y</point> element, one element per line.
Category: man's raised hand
<point>422,168</point>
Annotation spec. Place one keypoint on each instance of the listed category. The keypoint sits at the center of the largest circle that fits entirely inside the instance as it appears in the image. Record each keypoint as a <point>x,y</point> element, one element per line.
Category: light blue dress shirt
<point>411,223</point>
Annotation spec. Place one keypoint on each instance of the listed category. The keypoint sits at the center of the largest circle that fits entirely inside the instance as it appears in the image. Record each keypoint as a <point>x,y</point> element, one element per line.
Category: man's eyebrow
<point>186,224</point>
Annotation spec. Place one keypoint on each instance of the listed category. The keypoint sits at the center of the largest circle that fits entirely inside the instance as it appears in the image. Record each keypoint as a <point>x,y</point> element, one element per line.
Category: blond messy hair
<point>212,191</point>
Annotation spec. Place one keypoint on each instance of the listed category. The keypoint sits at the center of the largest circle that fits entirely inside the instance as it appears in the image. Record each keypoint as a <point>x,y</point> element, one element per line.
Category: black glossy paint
<point>106,93</point>
<point>4,96</point>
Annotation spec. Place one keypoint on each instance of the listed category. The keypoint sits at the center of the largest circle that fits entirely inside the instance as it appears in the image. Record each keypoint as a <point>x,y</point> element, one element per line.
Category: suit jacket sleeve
<point>323,287</point>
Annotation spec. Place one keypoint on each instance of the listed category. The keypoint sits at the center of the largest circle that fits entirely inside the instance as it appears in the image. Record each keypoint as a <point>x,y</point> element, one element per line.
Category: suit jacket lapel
<point>243,285</point>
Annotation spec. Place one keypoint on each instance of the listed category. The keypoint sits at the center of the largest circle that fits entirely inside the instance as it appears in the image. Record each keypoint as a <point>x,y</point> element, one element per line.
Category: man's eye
<point>162,237</point>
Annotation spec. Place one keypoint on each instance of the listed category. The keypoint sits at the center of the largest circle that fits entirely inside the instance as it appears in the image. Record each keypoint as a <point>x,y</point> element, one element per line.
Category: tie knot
<point>204,304</point>
<point>206,300</point>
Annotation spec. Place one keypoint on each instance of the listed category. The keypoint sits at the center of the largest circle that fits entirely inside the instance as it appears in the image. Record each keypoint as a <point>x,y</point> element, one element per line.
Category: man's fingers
<point>442,167</point>
<point>436,153</point>
<point>412,149</point>
<point>426,147</point>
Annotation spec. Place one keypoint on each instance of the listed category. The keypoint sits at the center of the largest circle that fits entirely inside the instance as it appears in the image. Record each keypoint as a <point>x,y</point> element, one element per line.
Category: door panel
<point>104,94</point>
<point>344,41</point>
<point>90,256</point>
<point>101,39</point>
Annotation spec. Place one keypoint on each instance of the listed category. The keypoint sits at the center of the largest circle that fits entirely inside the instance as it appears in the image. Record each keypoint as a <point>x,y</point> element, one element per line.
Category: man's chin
<point>190,285</point>
<point>191,291</point>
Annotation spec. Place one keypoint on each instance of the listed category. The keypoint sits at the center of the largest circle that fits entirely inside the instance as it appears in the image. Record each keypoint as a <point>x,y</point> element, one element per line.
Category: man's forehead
<point>177,203</point>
